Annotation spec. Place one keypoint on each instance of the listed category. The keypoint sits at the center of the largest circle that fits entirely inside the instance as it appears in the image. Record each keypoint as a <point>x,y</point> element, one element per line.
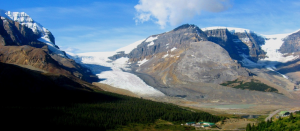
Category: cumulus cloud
<point>174,12</point>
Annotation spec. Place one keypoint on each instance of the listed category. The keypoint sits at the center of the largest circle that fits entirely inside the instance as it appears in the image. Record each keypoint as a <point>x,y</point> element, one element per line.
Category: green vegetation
<point>159,125</point>
<point>253,85</point>
<point>91,110</point>
<point>291,123</point>
<point>262,118</point>
<point>230,82</point>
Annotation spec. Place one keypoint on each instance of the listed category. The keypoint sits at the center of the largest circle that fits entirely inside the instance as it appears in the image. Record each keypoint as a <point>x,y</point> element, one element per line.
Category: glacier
<point>116,73</point>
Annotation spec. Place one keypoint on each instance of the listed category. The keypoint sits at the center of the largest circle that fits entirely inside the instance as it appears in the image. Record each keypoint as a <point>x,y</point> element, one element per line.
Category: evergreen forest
<point>291,123</point>
<point>91,110</point>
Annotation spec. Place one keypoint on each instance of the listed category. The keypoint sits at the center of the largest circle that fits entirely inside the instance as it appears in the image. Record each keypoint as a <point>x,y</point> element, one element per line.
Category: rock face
<point>237,42</point>
<point>253,42</point>
<point>14,34</point>
<point>291,43</point>
<point>27,55</point>
<point>208,62</point>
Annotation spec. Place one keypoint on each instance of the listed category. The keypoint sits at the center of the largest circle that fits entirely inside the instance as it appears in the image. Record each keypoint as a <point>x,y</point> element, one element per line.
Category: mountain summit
<point>42,34</point>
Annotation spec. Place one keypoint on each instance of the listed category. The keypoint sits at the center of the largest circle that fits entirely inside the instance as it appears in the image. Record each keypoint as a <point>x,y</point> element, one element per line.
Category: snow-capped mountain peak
<point>26,20</point>
<point>45,35</point>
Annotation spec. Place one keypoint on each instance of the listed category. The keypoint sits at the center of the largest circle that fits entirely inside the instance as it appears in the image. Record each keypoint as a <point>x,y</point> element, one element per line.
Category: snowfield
<point>272,45</point>
<point>142,62</point>
<point>113,72</point>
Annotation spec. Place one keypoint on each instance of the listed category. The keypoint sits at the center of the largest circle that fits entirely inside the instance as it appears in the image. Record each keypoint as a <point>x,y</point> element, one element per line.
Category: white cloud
<point>69,49</point>
<point>176,11</point>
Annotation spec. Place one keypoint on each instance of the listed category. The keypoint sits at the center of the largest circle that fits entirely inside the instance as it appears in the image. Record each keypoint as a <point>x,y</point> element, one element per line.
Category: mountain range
<point>187,62</point>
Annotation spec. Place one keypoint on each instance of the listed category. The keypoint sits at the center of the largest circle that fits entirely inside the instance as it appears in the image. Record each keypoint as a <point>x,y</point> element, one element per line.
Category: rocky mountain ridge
<point>291,43</point>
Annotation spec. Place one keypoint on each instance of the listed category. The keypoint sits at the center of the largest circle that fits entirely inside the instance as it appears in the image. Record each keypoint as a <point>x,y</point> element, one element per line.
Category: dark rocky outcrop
<point>208,62</point>
<point>236,43</point>
<point>118,55</point>
<point>14,34</point>
<point>291,43</point>
<point>253,42</point>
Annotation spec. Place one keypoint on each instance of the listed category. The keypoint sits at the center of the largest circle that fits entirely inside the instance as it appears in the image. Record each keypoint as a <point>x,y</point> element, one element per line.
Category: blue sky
<point>106,25</point>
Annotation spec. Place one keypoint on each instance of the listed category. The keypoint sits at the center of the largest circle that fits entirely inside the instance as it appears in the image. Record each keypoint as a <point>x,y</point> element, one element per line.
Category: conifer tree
<point>248,128</point>
<point>291,116</point>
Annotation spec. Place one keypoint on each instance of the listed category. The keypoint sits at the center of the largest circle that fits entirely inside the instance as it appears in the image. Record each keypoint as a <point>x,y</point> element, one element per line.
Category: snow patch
<point>51,46</point>
<point>142,62</point>
<point>167,46</point>
<point>166,55</point>
<point>152,43</point>
<point>174,48</point>
<point>150,39</point>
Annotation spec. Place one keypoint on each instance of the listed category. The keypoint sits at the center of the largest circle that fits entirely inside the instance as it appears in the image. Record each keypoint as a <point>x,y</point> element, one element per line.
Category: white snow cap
<point>230,29</point>
<point>26,20</point>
